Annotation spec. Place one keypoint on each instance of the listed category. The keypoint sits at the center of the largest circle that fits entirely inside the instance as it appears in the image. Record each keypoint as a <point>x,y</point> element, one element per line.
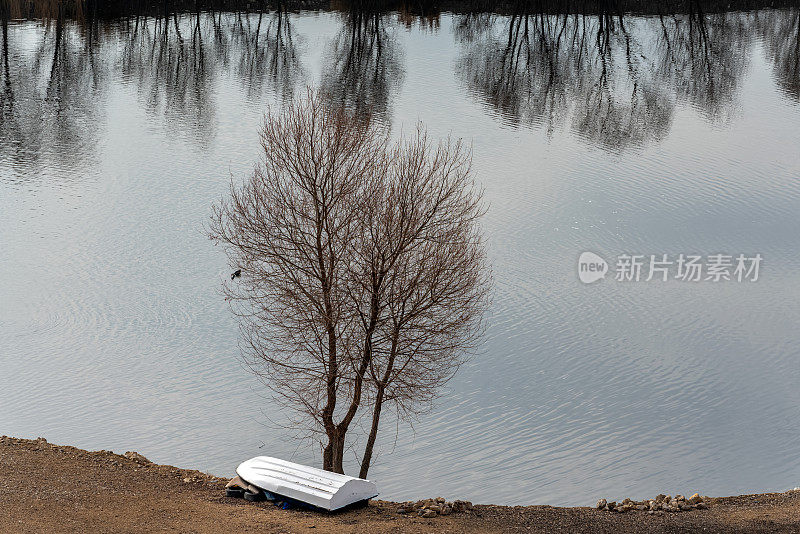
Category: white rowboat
<point>317,487</point>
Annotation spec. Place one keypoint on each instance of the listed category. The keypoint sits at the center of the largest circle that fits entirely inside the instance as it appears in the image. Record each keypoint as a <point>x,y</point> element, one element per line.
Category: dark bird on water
<point>236,274</point>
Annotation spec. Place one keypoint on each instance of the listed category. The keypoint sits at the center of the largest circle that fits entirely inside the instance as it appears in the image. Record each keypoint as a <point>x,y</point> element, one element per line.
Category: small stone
<point>680,497</point>
<point>435,507</point>
<point>685,507</point>
<point>701,506</point>
<point>696,498</point>
<point>427,513</point>
<point>601,504</point>
<point>187,480</point>
<point>446,510</point>
<point>626,500</point>
<point>461,506</point>
<point>653,505</point>
<point>135,456</point>
<point>440,500</point>
<point>641,507</point>
<point>612,505</point>
<point>403,510</point>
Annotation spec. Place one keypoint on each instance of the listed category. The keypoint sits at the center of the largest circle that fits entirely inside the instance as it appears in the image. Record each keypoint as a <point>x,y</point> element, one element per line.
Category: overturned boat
<point>316,487</point>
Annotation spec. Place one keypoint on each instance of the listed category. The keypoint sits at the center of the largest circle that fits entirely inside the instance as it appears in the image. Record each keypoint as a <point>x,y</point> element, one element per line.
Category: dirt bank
<point>51,488</point>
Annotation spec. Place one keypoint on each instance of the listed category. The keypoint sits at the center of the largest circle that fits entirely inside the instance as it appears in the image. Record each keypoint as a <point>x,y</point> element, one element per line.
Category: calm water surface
<point>674,134</point>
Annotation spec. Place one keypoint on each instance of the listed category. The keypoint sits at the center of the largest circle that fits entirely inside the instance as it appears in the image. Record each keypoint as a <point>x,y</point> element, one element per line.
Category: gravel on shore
<point>53,488</point>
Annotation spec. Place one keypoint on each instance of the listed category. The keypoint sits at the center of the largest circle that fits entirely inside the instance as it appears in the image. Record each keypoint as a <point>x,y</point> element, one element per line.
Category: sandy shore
<point>52,488</point>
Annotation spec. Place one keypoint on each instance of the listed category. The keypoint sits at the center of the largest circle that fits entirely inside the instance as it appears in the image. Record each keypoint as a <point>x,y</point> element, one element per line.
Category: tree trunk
<point>373,433</point>
<point>327,456</point>
<point>333,454</point>
<point>376,411</point>
<point>338,455</point>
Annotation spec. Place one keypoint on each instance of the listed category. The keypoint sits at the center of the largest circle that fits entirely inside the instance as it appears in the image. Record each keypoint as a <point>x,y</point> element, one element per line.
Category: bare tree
<point>289,228</point>
<point>436,279</point>
<point>364,276</point>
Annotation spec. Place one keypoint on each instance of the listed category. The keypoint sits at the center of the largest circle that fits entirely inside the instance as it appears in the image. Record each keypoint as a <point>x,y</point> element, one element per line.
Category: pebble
<point>135,456</point>
<point>661,503</point>
<point>428,508</point>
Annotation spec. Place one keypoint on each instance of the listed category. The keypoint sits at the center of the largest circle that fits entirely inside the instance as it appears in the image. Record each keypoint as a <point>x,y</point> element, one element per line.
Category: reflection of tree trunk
<point>796,43</point>
<point>91,17</point>
<point>177,29</point>
<point>59,32</point>
<point>258,28</point>
<point>197,39</point>
<point>4,17</point>
<point>698,18</point>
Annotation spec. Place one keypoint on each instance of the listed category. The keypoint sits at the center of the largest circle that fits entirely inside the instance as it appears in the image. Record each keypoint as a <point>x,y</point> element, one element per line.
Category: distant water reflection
<point>615,80</point>
<point>651,133</point>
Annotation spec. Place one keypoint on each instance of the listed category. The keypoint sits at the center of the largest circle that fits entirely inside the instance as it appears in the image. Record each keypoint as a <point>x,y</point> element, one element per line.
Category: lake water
<point>660,135</point>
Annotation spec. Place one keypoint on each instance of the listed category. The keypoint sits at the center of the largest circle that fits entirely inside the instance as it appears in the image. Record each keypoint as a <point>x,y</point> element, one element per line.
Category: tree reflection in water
<point>615,80</point>
<point>49,96</point>
<point>269,53</point>
<point>364,63</point>
<point>171,58</point>
<point>780,33</point>
<point>176,58</point>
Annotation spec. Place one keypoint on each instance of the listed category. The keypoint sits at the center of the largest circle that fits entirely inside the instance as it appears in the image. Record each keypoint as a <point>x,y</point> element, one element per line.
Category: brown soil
<point>51,488</point>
